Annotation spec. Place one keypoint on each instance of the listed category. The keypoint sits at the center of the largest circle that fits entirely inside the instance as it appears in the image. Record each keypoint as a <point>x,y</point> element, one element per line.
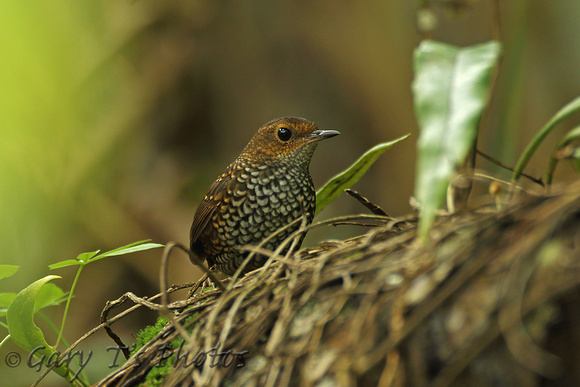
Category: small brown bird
<point>267,187</point>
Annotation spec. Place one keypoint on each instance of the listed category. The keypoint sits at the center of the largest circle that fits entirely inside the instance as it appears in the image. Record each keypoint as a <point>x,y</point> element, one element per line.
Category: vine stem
<point>68,301</point>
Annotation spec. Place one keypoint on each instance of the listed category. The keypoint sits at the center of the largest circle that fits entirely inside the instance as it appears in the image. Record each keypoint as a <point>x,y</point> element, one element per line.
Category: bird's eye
<point>284,134</point>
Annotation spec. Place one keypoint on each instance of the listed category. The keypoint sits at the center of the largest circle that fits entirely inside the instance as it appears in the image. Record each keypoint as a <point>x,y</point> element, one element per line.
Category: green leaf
<point>49,295</point>
<point>5,300</point>
<point>450,90</point>
<point>130,248</point>
<point>86,257</point>
<point>347,178</point>
<point>92,256</point>
<point>81,259</point>
<point>20,318</point>
<point>571,108</point>
<point>67,263</point>
<point>8,270</point>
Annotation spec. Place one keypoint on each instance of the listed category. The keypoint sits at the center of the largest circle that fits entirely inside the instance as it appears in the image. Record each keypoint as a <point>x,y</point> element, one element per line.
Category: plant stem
<point>70,295</point>
<point>4,340</point>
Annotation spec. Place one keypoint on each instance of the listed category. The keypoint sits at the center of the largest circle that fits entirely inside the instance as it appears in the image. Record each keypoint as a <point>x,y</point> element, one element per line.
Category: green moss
<point>157,374</point>
<point>149,332</point>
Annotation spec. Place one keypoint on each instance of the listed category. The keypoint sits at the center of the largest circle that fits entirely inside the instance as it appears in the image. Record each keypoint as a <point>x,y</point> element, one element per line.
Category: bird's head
<point>287,139</point>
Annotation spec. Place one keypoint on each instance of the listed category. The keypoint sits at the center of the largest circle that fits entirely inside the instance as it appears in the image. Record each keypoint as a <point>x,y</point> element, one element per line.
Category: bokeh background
<point>116,116</point>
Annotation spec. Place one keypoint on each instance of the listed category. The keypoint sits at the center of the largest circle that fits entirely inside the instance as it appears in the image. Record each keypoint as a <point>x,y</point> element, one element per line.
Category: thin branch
<point>111,322</point>
<point>163,285</point>
<point>499,163</point>
<point>375,209</point>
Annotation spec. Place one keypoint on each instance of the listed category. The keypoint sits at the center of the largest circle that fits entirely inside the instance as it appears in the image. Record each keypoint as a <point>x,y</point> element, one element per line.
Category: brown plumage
<point>257,194</point>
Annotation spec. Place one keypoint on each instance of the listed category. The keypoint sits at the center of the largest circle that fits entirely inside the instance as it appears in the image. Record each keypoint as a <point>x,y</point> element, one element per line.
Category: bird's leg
<point>208,283</point>
<point>205,282</point>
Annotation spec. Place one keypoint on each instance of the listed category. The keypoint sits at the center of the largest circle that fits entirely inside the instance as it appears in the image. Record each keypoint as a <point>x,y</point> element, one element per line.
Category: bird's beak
<point>318,135</point>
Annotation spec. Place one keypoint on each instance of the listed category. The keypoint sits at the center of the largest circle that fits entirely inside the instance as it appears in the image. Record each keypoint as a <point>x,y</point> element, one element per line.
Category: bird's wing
<point>209,205</point>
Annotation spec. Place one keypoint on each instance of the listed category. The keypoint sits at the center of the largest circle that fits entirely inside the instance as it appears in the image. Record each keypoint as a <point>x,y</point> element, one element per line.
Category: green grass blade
<point>347,178</point>
<point>571,108</point>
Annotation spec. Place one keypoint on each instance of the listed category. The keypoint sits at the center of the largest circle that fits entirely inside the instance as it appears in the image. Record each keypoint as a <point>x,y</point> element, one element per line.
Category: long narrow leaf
<point>335,186</point>
<point>571,108</point>
<point>131,248</point>
<point>451,89</point>
<point>66,263</point>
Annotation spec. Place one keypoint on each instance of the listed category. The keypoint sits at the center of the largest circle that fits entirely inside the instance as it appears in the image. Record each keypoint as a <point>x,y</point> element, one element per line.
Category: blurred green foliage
<point>62,111</point>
